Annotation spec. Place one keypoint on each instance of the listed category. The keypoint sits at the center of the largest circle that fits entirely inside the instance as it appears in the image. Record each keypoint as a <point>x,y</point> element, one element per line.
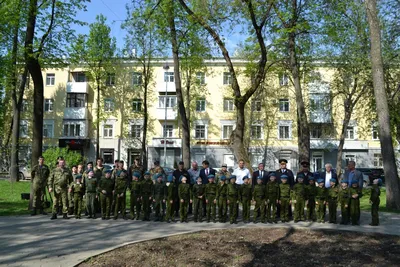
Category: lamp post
<point>166,68</point>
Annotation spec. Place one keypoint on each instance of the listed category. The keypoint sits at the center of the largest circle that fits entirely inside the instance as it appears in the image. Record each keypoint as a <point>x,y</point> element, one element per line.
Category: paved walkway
<point>38,241</point>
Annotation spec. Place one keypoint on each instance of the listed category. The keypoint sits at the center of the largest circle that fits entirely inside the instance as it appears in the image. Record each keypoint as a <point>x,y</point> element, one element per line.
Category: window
<point>137,105</point>
<point>200,132</point>
<point>24,105</point>
<point>316,131</point>
<point>256,132</point>
<point>108,130</point>
<point>201,105</point>
<point>319,102</point>
<point>284,130</point>
<point>227,78</point>
<point>350,133</point>
<point>23,129</point>
<point>79,77</point>
<point>168,77</point>
<point>375,133</point>
<point>284,105</point>
<point>256,105</point>
<point>136,130</point>
<point>107,155</point>
<point>48,129</point>
<point>283,80</point>
<point>72,129</point>
<point>166,101</point>
<point>229,105</point>
<point>227,131</point>
<point>378,161</point>
<point>108,105</point>
<point>50,79</point>
<point>136,78</point>
<point>201,78</point>
<point>75,100</point>
<point>48,105</point>
<point>110,79</point>
<point>168,131</point>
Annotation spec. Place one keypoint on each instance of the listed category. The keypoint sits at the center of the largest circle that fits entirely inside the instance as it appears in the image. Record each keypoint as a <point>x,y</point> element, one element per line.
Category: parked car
<point>168,170</point>
<point>108,166</point>
<point>24,173</point>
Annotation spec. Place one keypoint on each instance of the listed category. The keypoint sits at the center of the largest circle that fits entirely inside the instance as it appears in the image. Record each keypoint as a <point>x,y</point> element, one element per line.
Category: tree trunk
<point>346,121</point>
<point>389,162</point>
<point>239,148</point>
<point>98,121</point>
<point>178,86</point>
<point>146,72</point>
<point>34,68</point>
<point>303,129</point>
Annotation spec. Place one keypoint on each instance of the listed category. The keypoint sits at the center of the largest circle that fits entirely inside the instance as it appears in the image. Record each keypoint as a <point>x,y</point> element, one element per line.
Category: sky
<point>115,12</point>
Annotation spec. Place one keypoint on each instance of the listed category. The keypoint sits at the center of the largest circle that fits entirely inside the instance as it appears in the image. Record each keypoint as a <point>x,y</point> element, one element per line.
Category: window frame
<point>49,103</point>
<point>137,132</point>
<point>110,81</point>
<point>50,79</point>
<point>256,106</point>
<point>169,98</point>
<point>75,98</point>
<point>169,77</point>
<point>283,103</point>
<point>76,129</point>
<point>223,137</point>
<point>347,136</point>
<point>258,131</point>
<point>283,79</point>
<point>108,130</point>
<point>229,105</point>
<point>137,102</point>
<point>202,106</point>
<point>227,78</point>
<point>137,78</point>
<point>169,129</point>
<point>201,77</point>
<point>288,124</point>
<point>202,131</point>
<point>23,129</point>
<point>48,123</point>
<point>109,105</point>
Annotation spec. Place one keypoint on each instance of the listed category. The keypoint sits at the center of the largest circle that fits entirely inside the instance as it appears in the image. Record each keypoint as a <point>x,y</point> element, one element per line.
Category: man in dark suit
<point>206,171</point>
<point>352,174</point>
<point>305,170</point>
<point>283,170</point>
<point>328,174</point>
<point>260,172</point>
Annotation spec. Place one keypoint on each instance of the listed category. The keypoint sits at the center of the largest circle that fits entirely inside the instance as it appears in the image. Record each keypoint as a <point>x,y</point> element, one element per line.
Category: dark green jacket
<point>91,185</point>
<point>272,190</point>
<point>322,194</point>
<point>259,192</point>
<point>159,190</point>
<point>344,196</point>
<point>135,187</point>
<point>106,184</point>
<point>121,181</point>
<point>39,175</point>
<point>211,191</point>
<point>170,191</point>
<point>184,191</point>
<point>77,189</point>
<point>333,193</point>
<point>375,193</point>
<point>197,191</point>
<point>232,191</point>
<point>246,191</point>
<point>311,191</point>
<point>222,191</point>
<point>299,191</point>
<point>284,190</point>
<point>147,187</point>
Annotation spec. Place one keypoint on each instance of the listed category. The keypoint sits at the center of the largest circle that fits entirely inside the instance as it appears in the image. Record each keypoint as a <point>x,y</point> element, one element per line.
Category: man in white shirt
<point>328,174</point>
<point>241,172</point>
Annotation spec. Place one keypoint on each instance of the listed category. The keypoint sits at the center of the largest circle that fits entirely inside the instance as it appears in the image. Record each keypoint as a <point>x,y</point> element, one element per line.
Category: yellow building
<point>71,106</point>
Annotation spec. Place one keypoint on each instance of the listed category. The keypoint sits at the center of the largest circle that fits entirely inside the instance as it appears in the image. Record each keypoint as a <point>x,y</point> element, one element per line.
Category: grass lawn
<point>10,198</point>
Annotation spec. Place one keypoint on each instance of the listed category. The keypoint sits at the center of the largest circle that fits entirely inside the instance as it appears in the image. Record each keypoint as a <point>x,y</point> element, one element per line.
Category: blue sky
<point>115,12</point>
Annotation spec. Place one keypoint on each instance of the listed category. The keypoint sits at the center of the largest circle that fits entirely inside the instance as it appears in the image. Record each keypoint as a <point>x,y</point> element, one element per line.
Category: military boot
<point>54,216</point>
<point>65,216</point>
<point>33,213</point>
<point>71,211</point>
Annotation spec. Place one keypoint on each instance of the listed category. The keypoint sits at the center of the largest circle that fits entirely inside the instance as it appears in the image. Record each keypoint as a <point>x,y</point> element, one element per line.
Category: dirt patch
<point>258,247</point>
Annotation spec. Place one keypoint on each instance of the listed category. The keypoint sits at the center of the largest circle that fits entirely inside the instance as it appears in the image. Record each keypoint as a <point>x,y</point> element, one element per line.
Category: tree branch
<point>46,34</point>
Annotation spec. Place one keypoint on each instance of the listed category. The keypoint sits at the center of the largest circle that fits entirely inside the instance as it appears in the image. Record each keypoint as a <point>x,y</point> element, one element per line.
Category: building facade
<point>72,110</point>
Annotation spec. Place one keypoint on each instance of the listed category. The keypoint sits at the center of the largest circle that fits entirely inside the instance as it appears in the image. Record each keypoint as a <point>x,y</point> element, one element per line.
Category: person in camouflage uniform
<point>223,172</point>
<point>159,197</point>
<point>91,194</point>
<point>77,190</point>
<point>197,198</point>
<point>137,167</point>
<point>321,198</point>
<point>120,185</point>
<point>222,199</point>
<point>311,192</point>
<point>147,195</point>
<point>184,198</point>
<point>58,183</point>
<point>259,199</point>
<point>246,191</point>
<point>39,176</point>
<point>106,187</point>
<point>299,198</point>
<point>333,193</point>
<point>233,199</point>
<point>170,197</point>
<point>272,196</point>
<point>344,201</point>
<point>136,204</point>
<point>211,198</point>
<point>284,198</point>
<point>99,172</point>
<point>355,195</point>
<point>71,203</point>
<point>374,201</point>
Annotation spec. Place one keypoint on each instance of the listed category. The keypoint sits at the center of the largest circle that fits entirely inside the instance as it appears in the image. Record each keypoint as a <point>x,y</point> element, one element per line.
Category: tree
<point>346,48</point>
<point>48,30</point>
<point>71,157</point>
<point>96,52</point>
<point>385,137</point>
<point>143,45</point>
<point>256,15</point>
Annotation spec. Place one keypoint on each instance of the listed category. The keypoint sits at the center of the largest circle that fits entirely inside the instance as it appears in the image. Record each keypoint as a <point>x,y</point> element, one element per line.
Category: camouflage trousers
<point>61,196</point>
